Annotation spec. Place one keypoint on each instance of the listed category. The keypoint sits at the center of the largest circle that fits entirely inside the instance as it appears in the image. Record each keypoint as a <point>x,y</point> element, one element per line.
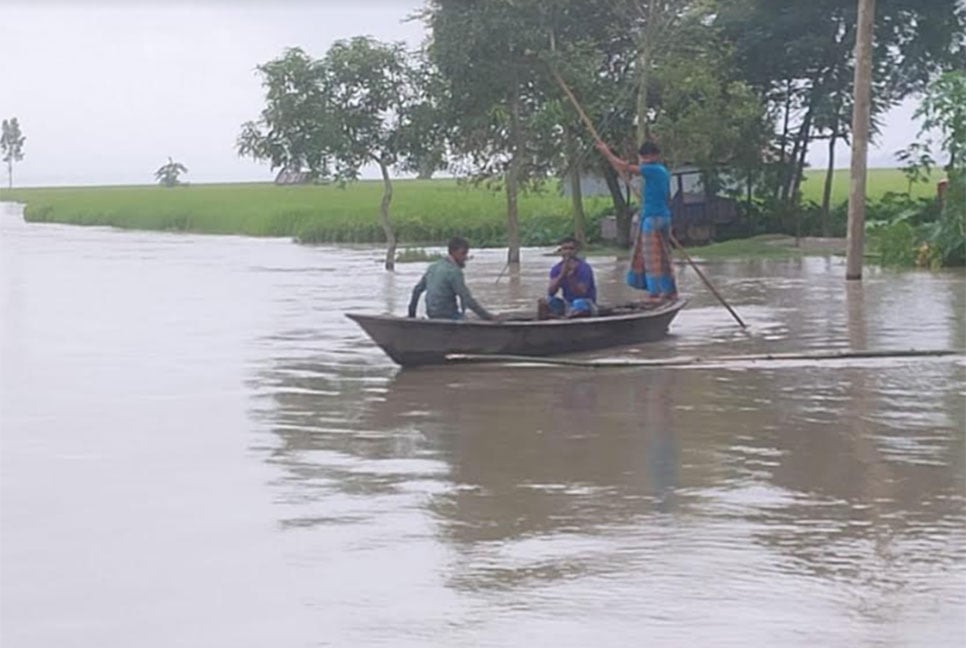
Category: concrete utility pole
<point>860,139</point>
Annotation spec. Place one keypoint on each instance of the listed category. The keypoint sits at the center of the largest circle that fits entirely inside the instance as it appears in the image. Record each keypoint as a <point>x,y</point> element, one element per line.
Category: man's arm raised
<point>622,167</point>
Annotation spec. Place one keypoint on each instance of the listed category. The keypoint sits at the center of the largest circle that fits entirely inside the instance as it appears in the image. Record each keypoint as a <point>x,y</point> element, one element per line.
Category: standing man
<point>443,282</point>
<point>651,268</point>
<point>575,279</point>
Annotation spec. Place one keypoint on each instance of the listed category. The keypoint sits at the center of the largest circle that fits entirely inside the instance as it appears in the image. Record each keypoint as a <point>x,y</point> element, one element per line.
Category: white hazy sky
<point>106,91</point>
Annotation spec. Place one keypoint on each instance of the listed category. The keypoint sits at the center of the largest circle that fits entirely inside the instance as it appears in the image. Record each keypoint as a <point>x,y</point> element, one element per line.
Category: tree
<point>509,117</point>
<point>597,54</point>
<point>168,173</point>
<point>293,130</point>
<point>423,135</point>
<point>655,24</point>
<point>11,144</point>
<point>380,109</point>
<point>832,115</point>
<point>943,108</point>
<point>364,103</point>
<point>808,87</point>
<point>659,69</point>
<point>702,116</point>
<point>501,124</point>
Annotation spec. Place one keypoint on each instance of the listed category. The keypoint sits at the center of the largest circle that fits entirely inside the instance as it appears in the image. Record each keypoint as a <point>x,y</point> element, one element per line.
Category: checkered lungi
<point>651,268</point>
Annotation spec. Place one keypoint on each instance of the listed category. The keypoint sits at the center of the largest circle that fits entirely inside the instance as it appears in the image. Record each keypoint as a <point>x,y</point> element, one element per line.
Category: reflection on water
<point>839,491</point>
<point>217,413</point>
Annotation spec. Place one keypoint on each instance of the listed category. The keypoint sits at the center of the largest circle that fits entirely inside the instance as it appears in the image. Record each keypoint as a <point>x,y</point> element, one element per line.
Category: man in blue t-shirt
<point>651,268</point>
<point>574,278</point>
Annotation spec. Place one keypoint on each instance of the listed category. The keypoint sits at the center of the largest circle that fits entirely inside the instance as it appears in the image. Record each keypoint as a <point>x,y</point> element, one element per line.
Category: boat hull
<point>413,342</point>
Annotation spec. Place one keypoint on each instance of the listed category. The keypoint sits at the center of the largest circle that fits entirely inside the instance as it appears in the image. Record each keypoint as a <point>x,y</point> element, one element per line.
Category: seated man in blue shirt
<point>575,279</point>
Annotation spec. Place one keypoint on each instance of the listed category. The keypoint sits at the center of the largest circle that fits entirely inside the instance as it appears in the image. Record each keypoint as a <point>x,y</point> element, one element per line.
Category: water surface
<point>198,449</point>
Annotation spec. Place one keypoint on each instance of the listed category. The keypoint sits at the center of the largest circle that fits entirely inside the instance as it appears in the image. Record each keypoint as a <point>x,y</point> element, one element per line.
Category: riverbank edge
<point>765,246</point>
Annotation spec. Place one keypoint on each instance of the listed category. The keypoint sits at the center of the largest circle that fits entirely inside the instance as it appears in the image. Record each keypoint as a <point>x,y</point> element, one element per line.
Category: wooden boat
<point>412,342</point>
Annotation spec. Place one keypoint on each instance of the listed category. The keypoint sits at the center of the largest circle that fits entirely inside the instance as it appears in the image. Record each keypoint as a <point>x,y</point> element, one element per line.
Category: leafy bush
<point>921,232</point>
<point>895,206</point>
<point>897,243</point>
<point>947,236</point>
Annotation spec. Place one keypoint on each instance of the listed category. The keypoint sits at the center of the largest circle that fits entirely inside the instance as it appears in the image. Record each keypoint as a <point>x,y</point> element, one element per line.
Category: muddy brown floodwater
<point>198,449</point>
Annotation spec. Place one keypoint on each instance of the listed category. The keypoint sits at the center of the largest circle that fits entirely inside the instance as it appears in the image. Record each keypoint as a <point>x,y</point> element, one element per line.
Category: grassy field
<point>879,182</point>
<point>422,211</point>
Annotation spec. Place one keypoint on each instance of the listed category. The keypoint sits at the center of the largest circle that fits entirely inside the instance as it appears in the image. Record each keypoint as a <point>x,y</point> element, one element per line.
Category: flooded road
<point>198,449</point>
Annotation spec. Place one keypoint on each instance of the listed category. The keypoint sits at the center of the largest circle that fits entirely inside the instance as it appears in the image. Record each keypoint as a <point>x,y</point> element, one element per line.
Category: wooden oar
<point>593,131</point>
<point>707,283</point>
<point>570,95</point>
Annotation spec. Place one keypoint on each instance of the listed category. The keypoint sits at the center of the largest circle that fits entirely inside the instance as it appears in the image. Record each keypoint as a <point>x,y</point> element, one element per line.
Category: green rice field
<point>423,211</point>
<point>878,183</point>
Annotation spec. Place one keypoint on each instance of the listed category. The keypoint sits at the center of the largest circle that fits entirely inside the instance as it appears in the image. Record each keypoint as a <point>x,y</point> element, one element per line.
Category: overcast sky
<point>106,91</point>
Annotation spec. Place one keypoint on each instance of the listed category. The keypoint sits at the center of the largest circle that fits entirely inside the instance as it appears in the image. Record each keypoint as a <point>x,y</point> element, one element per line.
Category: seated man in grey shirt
<point>443,283</point>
